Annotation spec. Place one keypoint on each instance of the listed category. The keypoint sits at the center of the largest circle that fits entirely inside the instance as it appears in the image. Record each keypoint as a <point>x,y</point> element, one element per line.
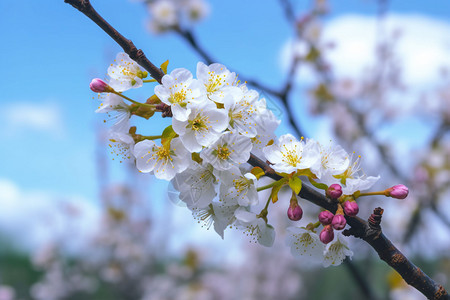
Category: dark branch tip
<point>375,218</point>
<point>440,293</point>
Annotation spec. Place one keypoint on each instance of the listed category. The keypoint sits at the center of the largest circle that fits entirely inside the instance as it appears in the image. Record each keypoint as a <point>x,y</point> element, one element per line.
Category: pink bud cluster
<point>336,221</point>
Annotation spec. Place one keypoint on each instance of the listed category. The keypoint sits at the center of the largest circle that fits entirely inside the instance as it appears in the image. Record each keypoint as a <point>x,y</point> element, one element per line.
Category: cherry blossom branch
<point>368,231</point>
<point>85,7</point>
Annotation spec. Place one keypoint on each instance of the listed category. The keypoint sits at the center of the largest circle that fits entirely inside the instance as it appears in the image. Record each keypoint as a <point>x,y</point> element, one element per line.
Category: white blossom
<point>164,13</point>
<point>351,179</point>
<point>304,243</point>
<point>125,73</point>
<point>121,144</point>
<point>196,10</point>
<point>164,162</point>
<point>224,215</point>
<point>336,251</point>
<point>203,126</point>
<point>218,81</point>
<point>235,186</point>
<point>220,214</point>
<point>117,110</point>
<point>266,125</point>
<point>179,90</point>
<point>230,148</point>
<point>255,227</point>
<point>290,155</point>
<point>333,161</point>
<point>242,111</point>
<point>196,185</point>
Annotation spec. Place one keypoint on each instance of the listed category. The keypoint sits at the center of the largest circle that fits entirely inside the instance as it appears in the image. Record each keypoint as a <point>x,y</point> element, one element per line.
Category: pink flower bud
<point>327,234</point>
<point>99,86</point>
<point>325,217</point>
<point>294,212</point>
<point>398,191</point>
<point>351,208</point>
<point>334,191</point>
<point>339,222</point>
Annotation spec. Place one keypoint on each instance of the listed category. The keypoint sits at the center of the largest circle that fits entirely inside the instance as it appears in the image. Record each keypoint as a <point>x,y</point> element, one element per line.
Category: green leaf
<point>258,172</point>
<point>295,184</point>
<point>276,188</point>
<point>153,100</point>
<point>196,157</point>
<point>321,186</point>
<point>167,136</point>
<point>164,66</point>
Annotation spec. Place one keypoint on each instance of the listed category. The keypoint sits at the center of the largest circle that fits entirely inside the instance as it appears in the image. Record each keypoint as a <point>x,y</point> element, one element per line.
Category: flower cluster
<point>217,123</point>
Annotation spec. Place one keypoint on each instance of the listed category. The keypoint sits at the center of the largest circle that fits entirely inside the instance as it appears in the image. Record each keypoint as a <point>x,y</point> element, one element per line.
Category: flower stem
<point>149,80</point>
<point>151,137</point>
<point>264,211</point>
<point>312,226</point>
<point>133,101</point>
<point>380,193</point>
<point>265,187</point>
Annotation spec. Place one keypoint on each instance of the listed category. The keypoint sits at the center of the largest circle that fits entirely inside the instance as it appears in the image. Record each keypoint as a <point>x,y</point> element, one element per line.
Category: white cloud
<point>423,47</point>
<point>24,116</point>
<point>33,218</point>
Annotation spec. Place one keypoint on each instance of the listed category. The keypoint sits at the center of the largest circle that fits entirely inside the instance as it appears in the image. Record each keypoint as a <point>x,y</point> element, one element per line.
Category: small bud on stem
<point>325,217</point>
<point>334,191</point>
<point>327,234</point>
<point>294,212</point>
<point>398,191</point>
<point>351,208</point>
<point>99,86</point>
<point>339,220</point>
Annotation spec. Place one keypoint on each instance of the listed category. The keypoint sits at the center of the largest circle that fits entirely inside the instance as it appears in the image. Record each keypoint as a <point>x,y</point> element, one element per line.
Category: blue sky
<point>51,52</point>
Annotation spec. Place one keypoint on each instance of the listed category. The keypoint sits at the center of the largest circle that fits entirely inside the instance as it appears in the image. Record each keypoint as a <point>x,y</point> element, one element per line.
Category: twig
<point>369,232</point>
<point>284,96</point>
<point>189,37</point>
<point>85,7</point>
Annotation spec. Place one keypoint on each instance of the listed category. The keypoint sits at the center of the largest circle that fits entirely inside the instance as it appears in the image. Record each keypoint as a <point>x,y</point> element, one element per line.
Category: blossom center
<point>223,152</point>
<point>241,184</point>
<point>291,156</point>
<point>163,153</point>
<point>199,123</point>
<point>205,216</point>
<point>178,97</point>
<point>214,83</point>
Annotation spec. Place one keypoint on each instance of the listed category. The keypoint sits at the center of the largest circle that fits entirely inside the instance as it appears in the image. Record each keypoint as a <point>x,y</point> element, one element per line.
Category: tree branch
<point>189,37</point>
<point>368,231</point>
<point>85,7</point>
